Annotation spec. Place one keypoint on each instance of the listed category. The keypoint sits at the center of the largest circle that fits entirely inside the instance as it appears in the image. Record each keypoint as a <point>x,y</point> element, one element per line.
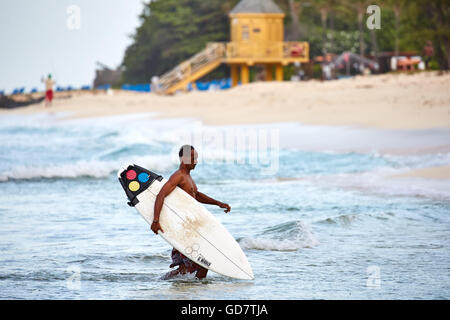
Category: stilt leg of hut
<point>245,76</point>
<point>234,75</point>
<point>269,75</point>
<point>279,72</point>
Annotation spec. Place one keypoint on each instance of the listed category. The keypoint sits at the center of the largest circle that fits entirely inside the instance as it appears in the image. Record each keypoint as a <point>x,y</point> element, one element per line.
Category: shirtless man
<point>182,178</point>
<point>48,90</point>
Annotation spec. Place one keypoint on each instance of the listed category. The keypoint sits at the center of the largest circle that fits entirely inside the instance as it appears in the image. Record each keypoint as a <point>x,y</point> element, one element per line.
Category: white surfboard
<point>188,226</point>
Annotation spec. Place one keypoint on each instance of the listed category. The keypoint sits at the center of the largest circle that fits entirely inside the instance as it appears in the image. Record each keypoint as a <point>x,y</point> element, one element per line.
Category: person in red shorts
<point>48,90</point>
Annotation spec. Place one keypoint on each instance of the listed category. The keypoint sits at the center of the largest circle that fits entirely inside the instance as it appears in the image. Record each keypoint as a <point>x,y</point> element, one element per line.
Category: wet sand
<point>442,172</point>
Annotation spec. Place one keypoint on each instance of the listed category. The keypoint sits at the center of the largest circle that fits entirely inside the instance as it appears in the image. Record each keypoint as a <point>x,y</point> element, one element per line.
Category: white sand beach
<point>394,101</point>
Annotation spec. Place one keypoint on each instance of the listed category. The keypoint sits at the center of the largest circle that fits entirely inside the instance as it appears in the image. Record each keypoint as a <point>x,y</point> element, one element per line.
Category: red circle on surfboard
<point>131,174</point>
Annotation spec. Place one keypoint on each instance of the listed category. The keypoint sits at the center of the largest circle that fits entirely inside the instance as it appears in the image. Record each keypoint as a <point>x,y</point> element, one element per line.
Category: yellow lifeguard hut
<point>257,38</point>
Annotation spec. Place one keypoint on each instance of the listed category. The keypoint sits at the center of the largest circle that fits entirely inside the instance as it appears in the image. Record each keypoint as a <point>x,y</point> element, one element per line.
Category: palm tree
<point>324,7</point>
<point>327,10</point>
<point>397,7</point>
<point>294,11</point>
<point>361,6</point>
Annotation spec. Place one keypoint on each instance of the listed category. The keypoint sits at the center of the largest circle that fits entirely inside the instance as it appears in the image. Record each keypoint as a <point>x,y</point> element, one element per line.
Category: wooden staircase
<point>192,69</point>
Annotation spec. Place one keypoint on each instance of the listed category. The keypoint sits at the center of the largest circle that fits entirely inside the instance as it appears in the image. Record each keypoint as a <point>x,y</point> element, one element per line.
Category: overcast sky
<point>62,37</point>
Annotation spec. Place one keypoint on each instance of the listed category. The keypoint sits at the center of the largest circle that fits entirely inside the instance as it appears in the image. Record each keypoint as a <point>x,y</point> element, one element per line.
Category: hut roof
<point>256,6</point>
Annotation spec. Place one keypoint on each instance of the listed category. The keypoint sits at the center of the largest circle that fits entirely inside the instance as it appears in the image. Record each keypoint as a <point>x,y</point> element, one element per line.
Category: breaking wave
<point>83,169</point>
<point>289,236</point>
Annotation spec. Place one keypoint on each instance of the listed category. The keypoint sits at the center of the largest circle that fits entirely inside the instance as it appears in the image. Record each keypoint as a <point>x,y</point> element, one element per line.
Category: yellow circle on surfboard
<point>134,186</point>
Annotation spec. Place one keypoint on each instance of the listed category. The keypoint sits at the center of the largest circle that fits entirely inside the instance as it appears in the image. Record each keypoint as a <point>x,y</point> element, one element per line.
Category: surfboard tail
<point>134,180</point>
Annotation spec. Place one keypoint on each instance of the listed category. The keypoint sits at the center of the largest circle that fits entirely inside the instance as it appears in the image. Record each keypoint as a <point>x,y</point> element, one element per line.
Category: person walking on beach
<point>327,68</point>
<point>428,52</point>
<point>48,90</point>
<point>182,178</point>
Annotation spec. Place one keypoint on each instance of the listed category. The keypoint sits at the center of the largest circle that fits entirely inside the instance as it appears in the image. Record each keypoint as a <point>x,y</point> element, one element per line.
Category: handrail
<point>218,51</point>
<point>212,53</point>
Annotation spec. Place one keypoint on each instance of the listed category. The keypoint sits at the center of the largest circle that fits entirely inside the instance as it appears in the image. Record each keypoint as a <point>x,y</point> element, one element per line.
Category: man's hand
<point>155,227</point>
<point>226,206</point>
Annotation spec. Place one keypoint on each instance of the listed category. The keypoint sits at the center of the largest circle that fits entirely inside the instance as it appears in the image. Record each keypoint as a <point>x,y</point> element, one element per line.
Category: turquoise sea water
<point>314,208</point>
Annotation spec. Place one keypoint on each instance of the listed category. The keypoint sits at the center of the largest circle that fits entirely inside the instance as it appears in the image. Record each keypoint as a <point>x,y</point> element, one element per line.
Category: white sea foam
<point>91,169</point>
<point>94,169</point>
<point>285,237</point>
<point>382,181</point>
<point>270,244</point>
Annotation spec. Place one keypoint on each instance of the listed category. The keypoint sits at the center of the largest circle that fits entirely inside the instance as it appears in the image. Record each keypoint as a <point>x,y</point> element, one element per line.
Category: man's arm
<point>170,185</point>
<point>203,198</point>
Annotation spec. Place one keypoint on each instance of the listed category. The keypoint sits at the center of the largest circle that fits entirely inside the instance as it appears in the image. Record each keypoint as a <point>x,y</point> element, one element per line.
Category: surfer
<point>182,178</point>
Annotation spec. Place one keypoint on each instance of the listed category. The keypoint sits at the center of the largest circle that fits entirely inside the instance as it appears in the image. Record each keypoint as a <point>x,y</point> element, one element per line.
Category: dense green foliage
<point>173,30</point>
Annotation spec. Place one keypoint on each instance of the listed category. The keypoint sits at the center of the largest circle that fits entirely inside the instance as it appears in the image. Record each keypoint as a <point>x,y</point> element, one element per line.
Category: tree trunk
<point>447,48</point>
<point>397,18</point>
<point>294,11</point>
<point>445,64</point>
<point>323,16</point>
<point>373,36</point>
<point>440,9</point>
<point>332,16</point>
<point>360,27</point>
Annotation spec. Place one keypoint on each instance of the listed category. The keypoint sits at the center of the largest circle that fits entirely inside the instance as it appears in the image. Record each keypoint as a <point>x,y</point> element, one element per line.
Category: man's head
<point>188,156</point>
<point>49,76</point>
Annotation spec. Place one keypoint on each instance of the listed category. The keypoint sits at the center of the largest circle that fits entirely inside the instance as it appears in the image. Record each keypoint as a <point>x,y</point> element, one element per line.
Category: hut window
<point>256,30</point>
<point>245,33</point>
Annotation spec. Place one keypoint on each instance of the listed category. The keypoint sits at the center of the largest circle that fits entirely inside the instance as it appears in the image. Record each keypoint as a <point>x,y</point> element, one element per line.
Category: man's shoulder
<point>177,175</point>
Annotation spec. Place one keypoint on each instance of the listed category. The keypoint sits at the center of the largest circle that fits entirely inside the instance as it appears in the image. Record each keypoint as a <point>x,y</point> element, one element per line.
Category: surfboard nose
<point>249,272</point>
<point>246,275</point>
<point>252,276</point>
<point>244,271</point>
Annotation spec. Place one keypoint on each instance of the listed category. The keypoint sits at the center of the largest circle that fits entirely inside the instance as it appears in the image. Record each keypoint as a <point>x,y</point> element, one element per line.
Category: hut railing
<point>275,50</point>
